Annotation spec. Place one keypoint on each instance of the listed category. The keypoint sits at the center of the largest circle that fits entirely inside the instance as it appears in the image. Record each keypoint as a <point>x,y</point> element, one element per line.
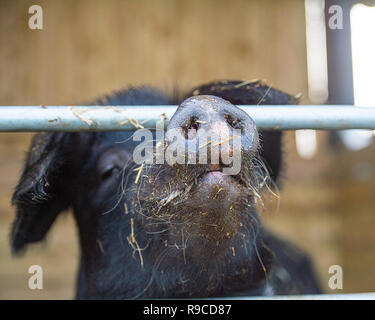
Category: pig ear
<point>253,93</point>
<point>42,191</point>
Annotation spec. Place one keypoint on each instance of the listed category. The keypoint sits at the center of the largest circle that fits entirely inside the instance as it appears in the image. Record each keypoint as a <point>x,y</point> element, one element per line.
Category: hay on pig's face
<point>177,206</point>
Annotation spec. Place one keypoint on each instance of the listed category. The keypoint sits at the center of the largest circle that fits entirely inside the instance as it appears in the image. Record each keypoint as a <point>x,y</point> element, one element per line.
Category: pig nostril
<point>191,128</point>
<point>234,123</point>
<point>194,126</point>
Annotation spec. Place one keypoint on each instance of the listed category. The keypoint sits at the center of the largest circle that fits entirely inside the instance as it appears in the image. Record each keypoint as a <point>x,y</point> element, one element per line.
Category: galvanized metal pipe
<point>341,296</point>
<point>124,118</point>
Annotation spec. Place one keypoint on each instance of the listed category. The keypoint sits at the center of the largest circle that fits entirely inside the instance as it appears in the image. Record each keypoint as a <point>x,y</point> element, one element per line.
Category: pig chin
<point>208,213</point>
<point>214,214</point>
<point>216,192</point>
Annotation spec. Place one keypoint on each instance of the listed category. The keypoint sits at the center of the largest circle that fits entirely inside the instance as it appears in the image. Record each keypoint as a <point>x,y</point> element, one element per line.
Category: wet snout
<point>205,124</point>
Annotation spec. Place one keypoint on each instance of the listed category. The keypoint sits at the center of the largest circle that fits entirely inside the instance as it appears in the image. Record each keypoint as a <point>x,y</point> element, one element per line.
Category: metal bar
<point>340,296</point>
<point>124,118</point>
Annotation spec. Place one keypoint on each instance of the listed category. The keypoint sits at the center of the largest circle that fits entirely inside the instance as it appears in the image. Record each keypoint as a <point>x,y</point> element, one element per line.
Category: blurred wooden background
<point>90,47</point>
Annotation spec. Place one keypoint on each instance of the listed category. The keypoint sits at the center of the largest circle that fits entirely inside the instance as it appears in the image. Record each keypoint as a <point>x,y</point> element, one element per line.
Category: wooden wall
<point>90,47</point>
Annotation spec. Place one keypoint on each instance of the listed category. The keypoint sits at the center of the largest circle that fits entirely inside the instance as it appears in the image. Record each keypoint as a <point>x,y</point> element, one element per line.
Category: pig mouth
<point>199,203</point>
<point>215,167</point>
<point>217,173</point>
<point>213,172</point>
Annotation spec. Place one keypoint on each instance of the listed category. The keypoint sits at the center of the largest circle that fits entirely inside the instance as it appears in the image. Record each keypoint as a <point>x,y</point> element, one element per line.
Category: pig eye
<point>111,163</point>
<point>109,171</point>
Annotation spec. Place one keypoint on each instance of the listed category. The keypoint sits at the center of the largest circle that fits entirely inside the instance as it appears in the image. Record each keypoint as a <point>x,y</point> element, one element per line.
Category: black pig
<point>159,230</point>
